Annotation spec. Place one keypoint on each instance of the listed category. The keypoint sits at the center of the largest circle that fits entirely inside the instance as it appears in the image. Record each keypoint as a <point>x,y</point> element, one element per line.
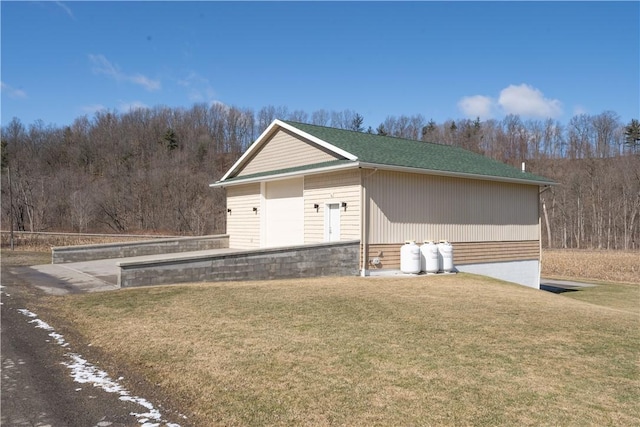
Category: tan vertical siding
<point>284,150</point>
<point>334,187</point>
<point>463,253</point>
<point>425,207</point>
<point>243,225</point>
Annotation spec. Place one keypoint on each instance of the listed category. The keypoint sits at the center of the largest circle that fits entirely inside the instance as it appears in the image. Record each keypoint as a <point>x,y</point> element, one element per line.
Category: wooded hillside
<point>148,170</point>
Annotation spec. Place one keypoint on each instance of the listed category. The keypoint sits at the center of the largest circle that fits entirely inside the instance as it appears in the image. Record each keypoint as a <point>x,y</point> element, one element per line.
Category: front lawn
<point>436,350</point>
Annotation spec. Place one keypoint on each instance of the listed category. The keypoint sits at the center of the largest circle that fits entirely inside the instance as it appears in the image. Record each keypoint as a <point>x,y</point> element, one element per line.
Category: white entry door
<point>332,222</point>
<point>284,216</point>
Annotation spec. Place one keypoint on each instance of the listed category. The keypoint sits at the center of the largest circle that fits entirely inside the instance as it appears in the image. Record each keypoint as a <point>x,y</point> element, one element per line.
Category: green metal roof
<point>399,152</point>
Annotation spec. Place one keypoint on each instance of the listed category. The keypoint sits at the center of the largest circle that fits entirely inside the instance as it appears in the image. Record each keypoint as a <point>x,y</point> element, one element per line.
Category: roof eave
<point>253,147</point>
<point>455,174</point>
<point>285,175</point>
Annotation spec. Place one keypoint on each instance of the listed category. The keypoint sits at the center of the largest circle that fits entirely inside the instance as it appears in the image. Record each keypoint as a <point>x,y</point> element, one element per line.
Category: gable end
<point>285,150</point>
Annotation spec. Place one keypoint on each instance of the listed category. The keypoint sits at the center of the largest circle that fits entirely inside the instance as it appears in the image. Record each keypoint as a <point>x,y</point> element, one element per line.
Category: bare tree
<point>81,207</point>
<point>320,117</point>
<point>298,116</point>
<point>605,127</point>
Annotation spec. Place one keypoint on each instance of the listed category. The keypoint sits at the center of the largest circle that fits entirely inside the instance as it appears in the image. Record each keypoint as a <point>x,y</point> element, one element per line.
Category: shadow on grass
<point>556,289</point>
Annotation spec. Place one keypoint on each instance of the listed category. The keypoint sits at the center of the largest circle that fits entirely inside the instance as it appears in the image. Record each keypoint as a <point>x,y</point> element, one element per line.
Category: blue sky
<point>62,60</point>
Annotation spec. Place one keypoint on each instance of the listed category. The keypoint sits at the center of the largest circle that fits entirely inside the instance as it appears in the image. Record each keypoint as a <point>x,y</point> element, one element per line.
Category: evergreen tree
<point>381,130</point>
<point>632,134</point>
<point>429,130</point>
<point>170,140</point>
<point>356,123</point>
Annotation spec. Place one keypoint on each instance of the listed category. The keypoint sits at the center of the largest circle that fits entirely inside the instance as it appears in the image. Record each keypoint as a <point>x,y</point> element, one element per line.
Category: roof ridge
<point>293,123</point>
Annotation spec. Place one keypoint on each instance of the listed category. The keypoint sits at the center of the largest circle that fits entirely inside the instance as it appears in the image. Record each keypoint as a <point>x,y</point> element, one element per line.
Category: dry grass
<point>44,242</point>
<point>620,296</point>
<point>447,350</point>
<point>607,266</point>
<point>24,257</point>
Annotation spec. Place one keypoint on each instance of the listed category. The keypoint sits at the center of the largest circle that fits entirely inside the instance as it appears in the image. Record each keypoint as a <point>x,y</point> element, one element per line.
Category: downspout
<point>540,235</point>
<point>364,224</point>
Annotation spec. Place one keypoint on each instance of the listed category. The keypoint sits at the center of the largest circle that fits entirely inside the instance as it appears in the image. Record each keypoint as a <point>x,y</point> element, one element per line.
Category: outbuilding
<point>300,184</point>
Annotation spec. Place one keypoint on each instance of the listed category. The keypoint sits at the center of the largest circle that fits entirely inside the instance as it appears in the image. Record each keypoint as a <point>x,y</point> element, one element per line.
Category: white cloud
<point>101,65</point>
<point>579,110</point>
<point>198,88</point>
<point>145,81</point>
<point>528,101</point>
<point>477,106</point>
<point>220,104</point>
<point>66,8</point>
<point>523,100</point>
<point>13,92</point>
<point>131,106</point>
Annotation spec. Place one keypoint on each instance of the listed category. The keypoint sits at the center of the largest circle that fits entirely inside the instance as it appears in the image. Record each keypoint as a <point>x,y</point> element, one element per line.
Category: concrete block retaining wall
<point>81,253</point>
<point>327,259</point>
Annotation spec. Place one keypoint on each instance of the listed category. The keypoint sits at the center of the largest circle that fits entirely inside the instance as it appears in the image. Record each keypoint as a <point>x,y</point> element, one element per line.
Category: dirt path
<point>46,382</point>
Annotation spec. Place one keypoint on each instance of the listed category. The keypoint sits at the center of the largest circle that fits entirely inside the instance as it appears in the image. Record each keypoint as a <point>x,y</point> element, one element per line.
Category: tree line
<point>148,170</point>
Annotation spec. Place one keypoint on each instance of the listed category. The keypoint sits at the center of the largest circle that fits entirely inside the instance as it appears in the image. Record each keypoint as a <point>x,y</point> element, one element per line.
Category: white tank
<point>445,251</point>
<point>410,258</point>
<point>429,257</point>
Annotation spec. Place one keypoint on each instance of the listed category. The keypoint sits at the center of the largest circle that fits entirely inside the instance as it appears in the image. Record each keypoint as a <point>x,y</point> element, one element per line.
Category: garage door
<point>284,220</point>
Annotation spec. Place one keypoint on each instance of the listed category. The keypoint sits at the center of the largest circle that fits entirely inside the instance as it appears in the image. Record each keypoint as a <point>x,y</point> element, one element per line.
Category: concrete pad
<point>60,279</point>
<point>560,286</point>
<point>566,283</point>
<point>94,276</point>
<point>398,273</point>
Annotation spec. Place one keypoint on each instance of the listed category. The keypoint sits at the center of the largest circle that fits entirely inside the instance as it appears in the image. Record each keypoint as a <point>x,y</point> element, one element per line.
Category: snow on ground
<point>84,372</point>
<point>43,325</point>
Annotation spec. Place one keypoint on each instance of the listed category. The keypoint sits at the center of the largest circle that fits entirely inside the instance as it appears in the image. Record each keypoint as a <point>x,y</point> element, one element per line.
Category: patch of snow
<point>27,312</point>
<point>44,325</point>
<point>84,372</point>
